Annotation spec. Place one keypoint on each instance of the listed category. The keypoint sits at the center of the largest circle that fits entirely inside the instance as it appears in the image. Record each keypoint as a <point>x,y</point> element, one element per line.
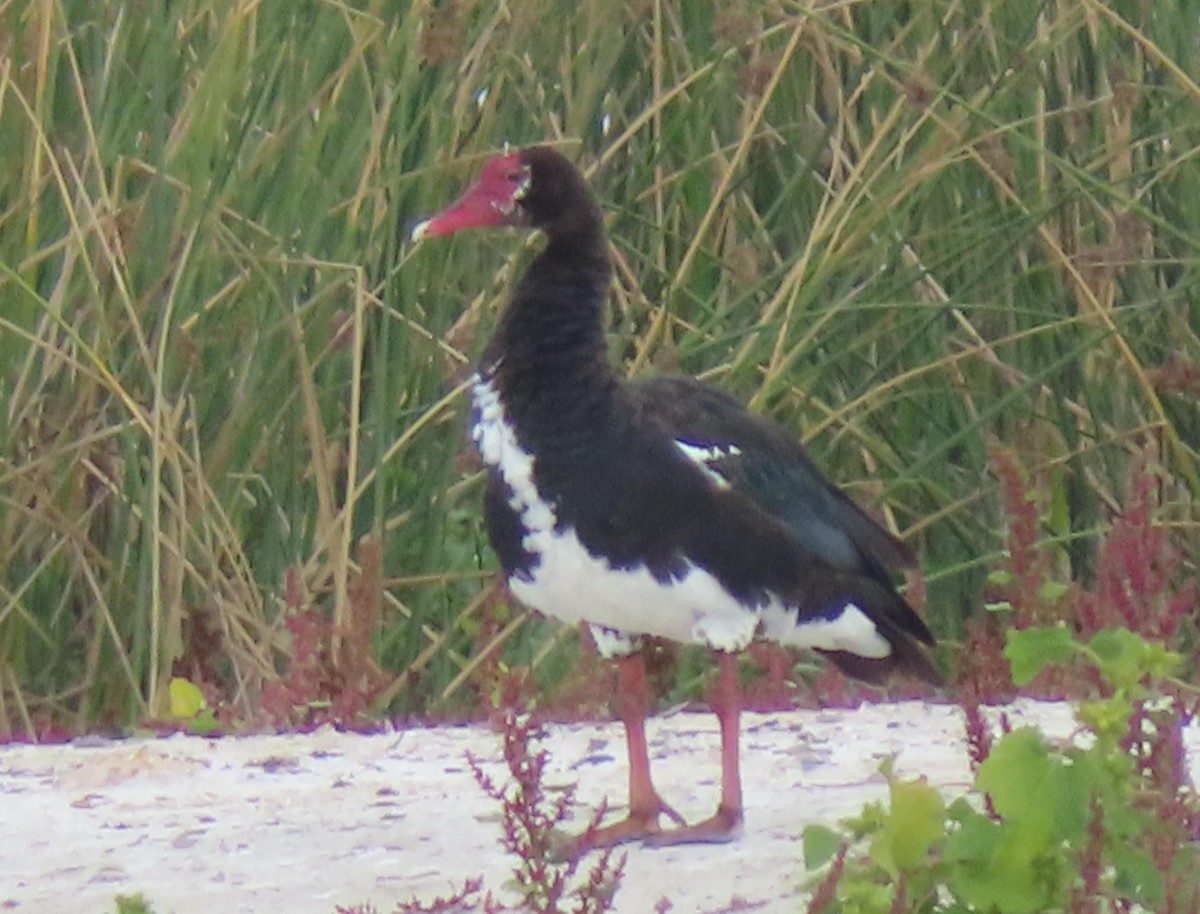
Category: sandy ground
<point>301,823</point>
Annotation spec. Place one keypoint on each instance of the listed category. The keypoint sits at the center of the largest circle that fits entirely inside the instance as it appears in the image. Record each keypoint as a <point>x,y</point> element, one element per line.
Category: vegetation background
<point>917,234</point>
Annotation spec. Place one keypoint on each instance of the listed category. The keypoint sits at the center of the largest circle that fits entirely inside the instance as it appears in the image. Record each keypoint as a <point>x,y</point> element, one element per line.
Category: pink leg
<point>726,823</point>
<point>645,804</point>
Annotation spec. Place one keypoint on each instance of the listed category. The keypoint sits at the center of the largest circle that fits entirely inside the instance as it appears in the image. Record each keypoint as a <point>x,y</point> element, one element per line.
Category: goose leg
<point>645,804</point>
<point>726,823</point>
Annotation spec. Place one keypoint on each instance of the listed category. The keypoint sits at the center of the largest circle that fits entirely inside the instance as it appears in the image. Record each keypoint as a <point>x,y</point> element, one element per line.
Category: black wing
<point>756,458</point>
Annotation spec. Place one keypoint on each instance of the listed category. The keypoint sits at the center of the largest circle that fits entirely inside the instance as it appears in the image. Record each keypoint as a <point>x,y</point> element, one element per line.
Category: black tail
<point>906,659</point>
<point>896,621</point>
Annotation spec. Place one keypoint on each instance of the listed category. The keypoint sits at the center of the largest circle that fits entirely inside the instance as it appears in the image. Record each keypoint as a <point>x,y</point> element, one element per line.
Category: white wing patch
<point>703,457</point>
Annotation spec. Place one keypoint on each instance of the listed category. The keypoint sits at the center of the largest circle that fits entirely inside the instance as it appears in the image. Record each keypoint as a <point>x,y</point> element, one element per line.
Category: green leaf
<point>1119,654</point>
<point>861,896</point>
<point>1000,577</point>
<point>1028,650</point>
<point>1053,590</point>
<point>974,841</point>
<point>916,819</point>
<point>187,701</point>
<point>1008,871</point>
<point>133,904</point>
<point>961,810</point>
<point>870,819</point>
<point>1044,791</point>
<point>1059,515</point>
<point>1136,875</point>
<point>1125,658</point>
<point>821,845</point>
<point>1015,775</point>
<point>1107,718</point>
<point>204,723</point>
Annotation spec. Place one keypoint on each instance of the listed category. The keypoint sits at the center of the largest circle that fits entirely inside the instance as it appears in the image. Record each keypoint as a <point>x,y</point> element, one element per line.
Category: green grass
<point>907,231</point>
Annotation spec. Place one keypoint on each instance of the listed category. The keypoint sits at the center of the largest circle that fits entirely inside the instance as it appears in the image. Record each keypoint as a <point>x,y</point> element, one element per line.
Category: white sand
<point>299,823</point>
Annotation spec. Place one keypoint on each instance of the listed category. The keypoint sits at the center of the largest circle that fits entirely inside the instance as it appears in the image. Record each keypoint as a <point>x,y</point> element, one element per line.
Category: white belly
<point>570,584</point>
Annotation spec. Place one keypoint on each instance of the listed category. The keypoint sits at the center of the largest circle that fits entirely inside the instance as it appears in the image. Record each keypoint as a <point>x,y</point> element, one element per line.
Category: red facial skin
<point>492,200</point>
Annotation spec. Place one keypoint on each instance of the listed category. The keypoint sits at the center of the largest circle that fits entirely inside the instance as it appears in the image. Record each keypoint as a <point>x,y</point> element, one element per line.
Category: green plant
<point>133,904</point>
<point>1099,825</point>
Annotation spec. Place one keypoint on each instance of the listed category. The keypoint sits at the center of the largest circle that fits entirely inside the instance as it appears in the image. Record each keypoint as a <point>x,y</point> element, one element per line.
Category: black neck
<point>548,357</point>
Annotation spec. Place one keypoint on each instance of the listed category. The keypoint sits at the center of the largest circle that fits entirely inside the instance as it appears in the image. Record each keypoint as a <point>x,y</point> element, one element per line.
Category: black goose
<point>658,507</point>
